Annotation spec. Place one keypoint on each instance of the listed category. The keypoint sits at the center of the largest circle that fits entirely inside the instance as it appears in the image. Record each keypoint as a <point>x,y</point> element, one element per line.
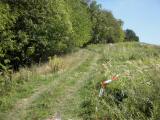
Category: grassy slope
<point>73,91</point>
<point>135,96</point>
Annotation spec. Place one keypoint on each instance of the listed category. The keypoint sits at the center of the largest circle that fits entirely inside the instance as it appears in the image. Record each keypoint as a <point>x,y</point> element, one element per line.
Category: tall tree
<point>130,35</point>
<point>81,22</point>
<point>106,28</point>
<point>38,29</point>
<point>7,43</point>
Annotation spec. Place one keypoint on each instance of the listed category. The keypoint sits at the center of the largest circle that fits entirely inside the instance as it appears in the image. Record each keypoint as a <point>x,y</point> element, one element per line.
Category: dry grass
<point>54,64</point>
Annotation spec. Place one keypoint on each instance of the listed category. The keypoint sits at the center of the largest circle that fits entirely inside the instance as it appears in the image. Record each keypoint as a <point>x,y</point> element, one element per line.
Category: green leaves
<point>130,35</point>
<point>106,29</point>
<point>81,22</point>
<point>33,30</point>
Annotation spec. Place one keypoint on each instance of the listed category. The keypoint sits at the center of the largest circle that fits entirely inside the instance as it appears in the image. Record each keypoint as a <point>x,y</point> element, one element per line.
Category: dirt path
<point>64,92</point>
<point>69,100</point>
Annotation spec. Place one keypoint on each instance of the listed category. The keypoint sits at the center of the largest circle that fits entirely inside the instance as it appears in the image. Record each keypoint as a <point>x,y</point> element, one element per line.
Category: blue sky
<point>143,16</point>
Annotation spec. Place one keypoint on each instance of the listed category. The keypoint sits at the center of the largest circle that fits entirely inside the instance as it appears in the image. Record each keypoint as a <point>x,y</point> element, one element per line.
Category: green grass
<point>28,83</point>
<point>70,85</point>
<point>135,96</point>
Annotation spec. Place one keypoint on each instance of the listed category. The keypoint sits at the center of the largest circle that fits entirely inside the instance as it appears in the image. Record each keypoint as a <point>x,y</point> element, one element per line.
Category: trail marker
<point>104,84</point>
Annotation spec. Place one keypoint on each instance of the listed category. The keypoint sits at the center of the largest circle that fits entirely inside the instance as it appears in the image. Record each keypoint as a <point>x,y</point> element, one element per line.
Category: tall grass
<point>23,83</point>
<point>135,96</point>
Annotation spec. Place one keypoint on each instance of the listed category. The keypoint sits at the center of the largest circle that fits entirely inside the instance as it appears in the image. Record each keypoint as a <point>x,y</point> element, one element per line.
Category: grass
<point>69,85</point>
<point>54,99</point>
<point>135,95</point>
<point>29,80</point>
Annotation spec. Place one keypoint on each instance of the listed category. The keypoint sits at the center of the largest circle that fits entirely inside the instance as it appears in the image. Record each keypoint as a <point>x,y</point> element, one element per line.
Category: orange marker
<point>104,84</point>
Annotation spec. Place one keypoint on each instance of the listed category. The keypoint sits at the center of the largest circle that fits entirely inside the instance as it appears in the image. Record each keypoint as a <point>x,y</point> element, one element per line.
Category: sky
<point>142,16</point>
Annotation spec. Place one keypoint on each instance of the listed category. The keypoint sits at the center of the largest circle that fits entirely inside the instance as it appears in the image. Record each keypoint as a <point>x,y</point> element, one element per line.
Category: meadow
<point>70,85</point>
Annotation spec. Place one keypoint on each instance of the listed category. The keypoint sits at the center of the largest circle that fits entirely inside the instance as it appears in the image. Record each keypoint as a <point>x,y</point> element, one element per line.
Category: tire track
<point>19,111</point>
<point>69,99</point>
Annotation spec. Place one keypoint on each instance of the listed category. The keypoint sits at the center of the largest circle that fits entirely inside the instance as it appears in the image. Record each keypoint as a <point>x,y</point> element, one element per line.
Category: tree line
<point>33,30</point>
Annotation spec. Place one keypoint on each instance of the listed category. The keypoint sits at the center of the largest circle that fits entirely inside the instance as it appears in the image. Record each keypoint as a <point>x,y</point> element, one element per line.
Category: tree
<point>130,35</point>
<point>81,22</point>
<point>31,31</point>
<point>7,43</point>
<point>106,29</point>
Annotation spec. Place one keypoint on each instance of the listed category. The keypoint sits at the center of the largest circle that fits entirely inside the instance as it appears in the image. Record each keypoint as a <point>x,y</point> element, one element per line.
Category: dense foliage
<point>106,29</point>
<point>130,35</point>
<point>33,30</point>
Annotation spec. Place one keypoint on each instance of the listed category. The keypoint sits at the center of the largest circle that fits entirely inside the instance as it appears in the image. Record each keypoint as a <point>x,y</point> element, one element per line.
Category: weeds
<point>56,64</point>
<point>135,96</point>
<point>23,83</point>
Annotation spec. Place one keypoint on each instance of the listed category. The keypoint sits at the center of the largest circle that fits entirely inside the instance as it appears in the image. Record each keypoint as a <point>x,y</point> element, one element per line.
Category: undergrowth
<point>135,96</point>
<point>15,86</point>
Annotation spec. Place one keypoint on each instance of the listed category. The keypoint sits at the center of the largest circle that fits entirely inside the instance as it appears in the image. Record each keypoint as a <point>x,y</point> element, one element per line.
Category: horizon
<point>137,16</point>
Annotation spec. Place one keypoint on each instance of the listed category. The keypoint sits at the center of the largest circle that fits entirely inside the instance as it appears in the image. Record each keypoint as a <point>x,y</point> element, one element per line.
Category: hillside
<point>69,86</point>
